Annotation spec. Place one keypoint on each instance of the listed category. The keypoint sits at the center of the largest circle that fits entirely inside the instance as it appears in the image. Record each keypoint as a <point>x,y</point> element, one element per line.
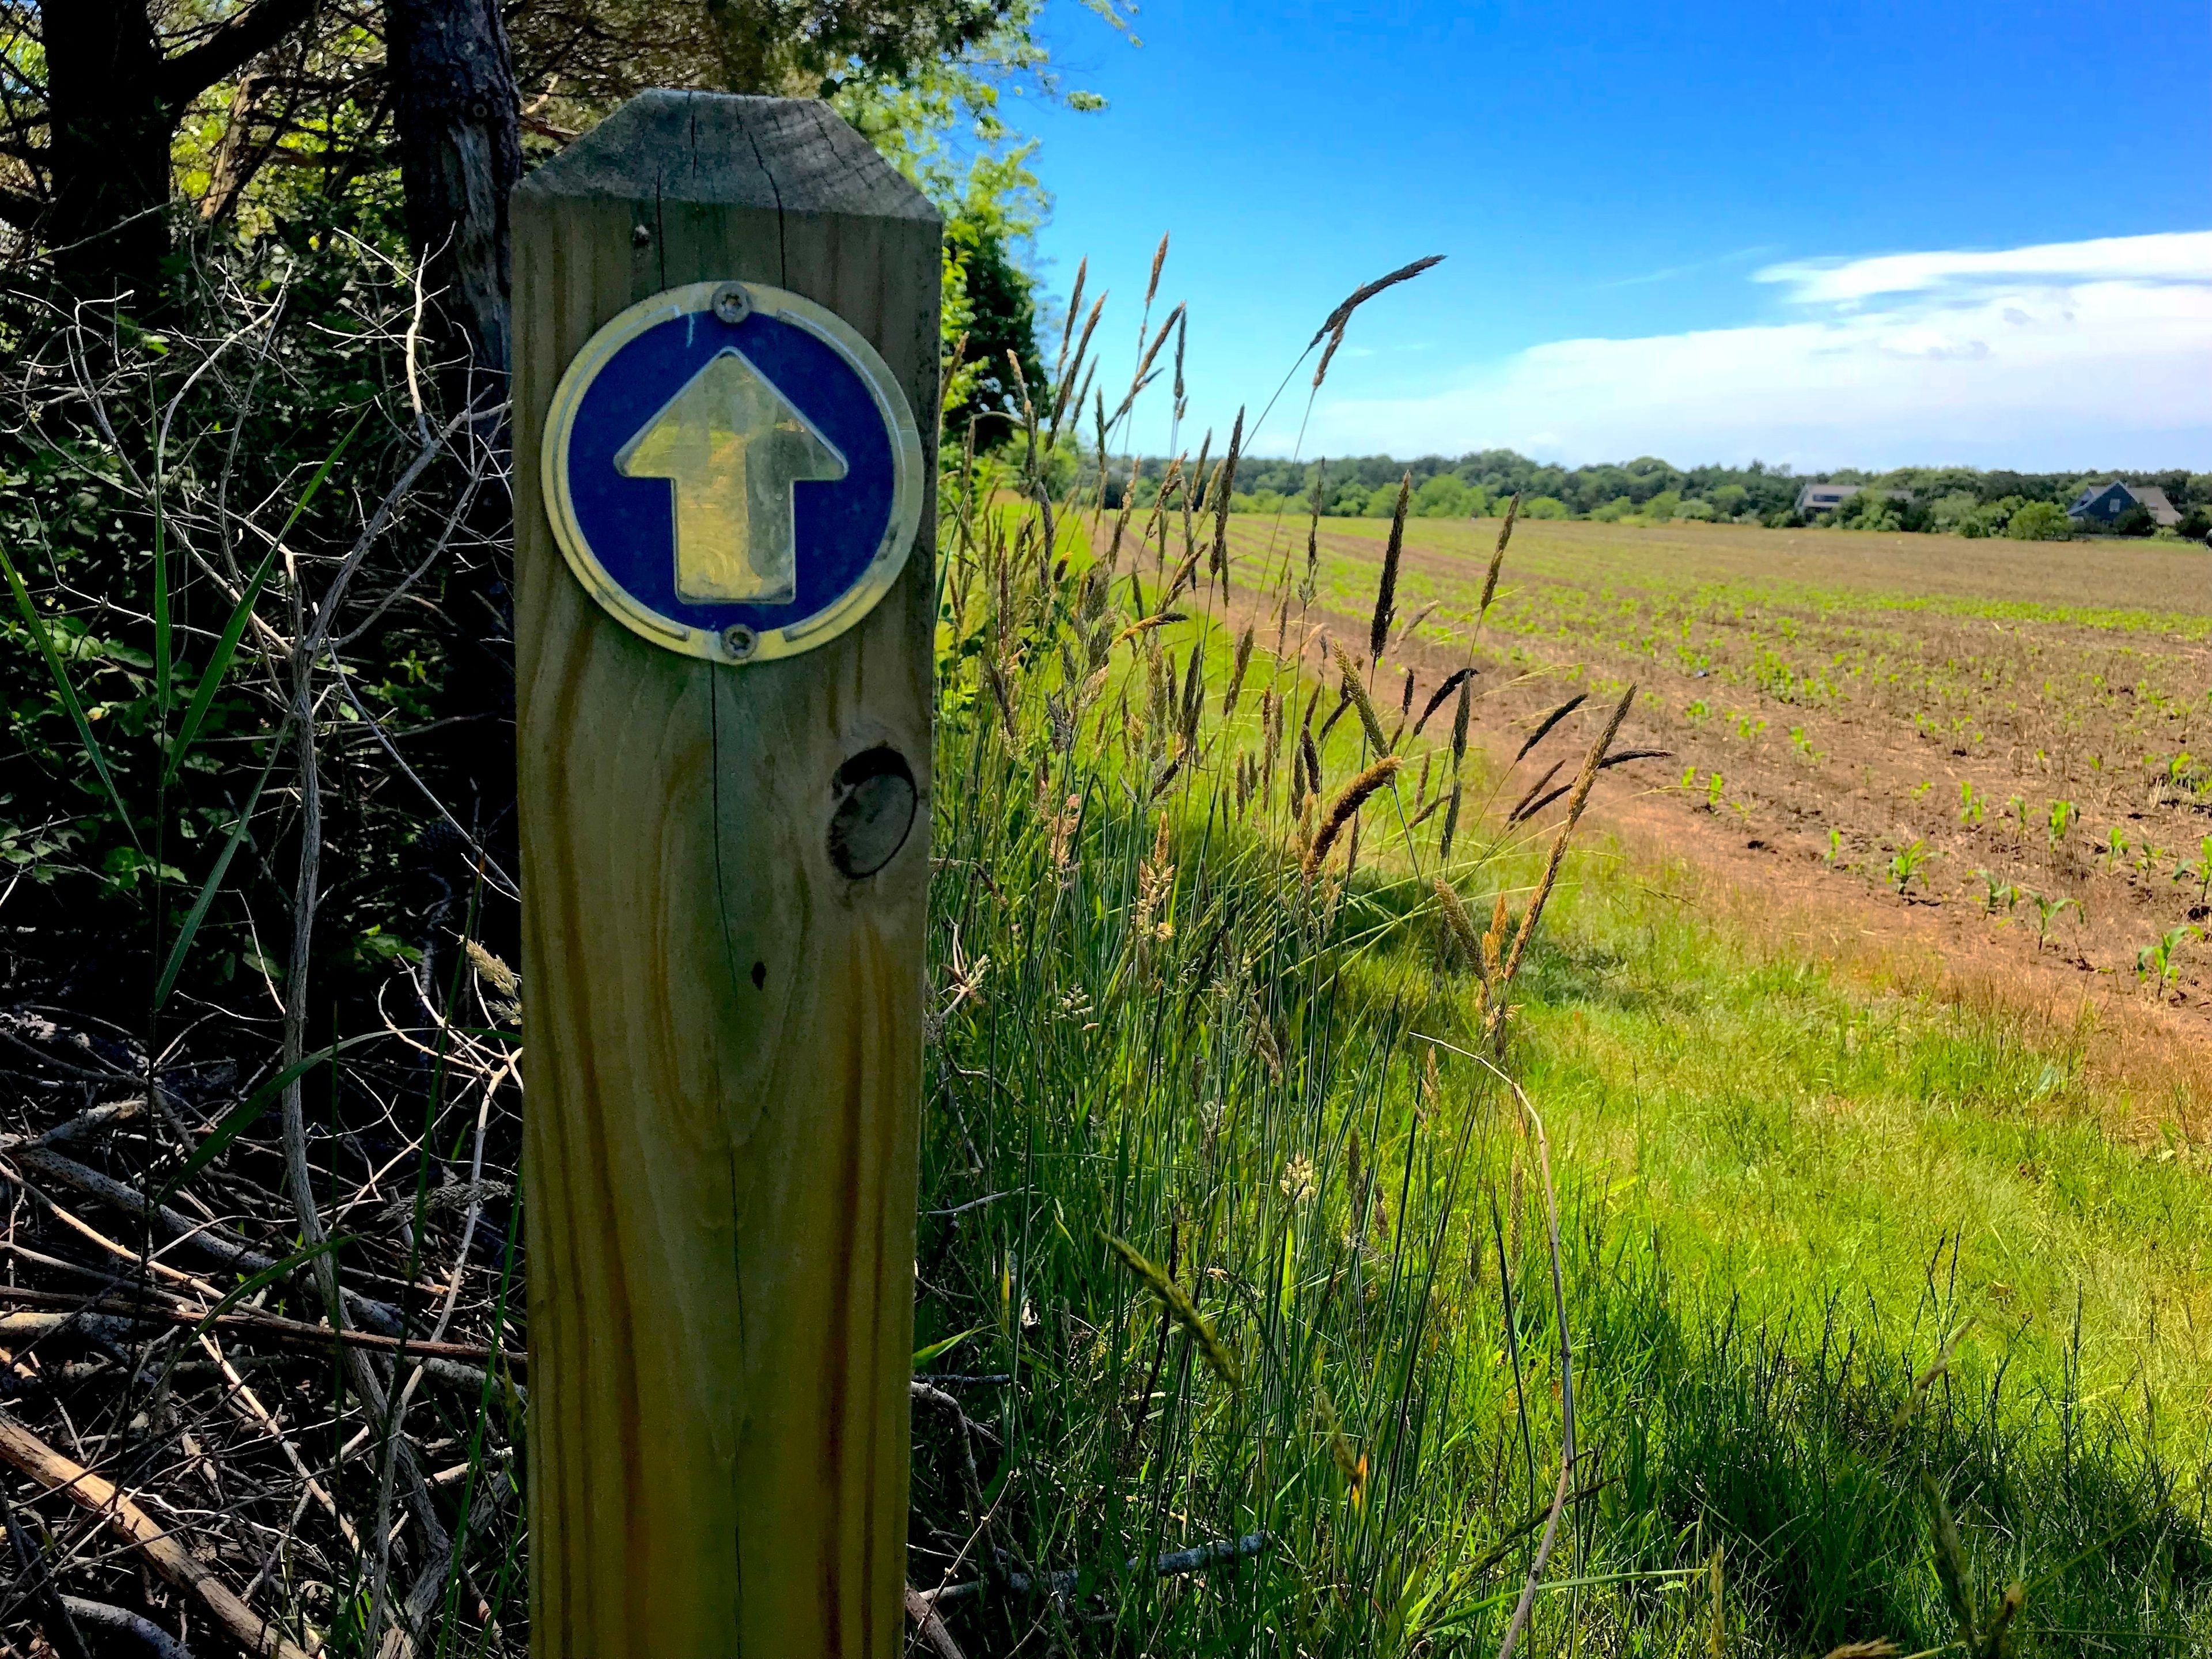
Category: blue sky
<point>1665,225</point>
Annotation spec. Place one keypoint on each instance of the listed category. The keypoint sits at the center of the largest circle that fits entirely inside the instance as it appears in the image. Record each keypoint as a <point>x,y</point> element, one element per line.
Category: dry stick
<point>122,1622</point>
<point>27,1454</point>
<point>290,1332</point>
<point>395,1428</point>
<point>299,1174</point>
<point>248,1405</point>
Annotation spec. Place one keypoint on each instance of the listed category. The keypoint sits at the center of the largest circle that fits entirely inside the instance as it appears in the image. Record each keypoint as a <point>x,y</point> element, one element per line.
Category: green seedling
<point>1920,790</point>
<point>1835,845</point>
<point>2157,960</point>
<point>2062,816</point>
<point>1998,896</point>
<point>1803,745</point>
<point>2047,911</point>
<point>1906,867</point>
<point>2016,807</point>
<point>2116,849</point>
<point>2198,870</point>
<point>1970,806</point>
<point>1713,787</point>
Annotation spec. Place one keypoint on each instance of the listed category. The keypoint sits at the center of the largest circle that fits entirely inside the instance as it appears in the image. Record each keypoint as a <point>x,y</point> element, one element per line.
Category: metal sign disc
<point>733,473</point>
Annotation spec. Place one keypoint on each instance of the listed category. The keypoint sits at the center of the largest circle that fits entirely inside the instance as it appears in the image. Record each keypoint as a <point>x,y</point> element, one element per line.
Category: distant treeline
<point>1955,499</point>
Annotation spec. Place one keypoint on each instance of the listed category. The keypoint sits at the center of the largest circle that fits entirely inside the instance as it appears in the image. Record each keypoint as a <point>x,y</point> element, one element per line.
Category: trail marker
<point>729,462</point>
<point>726,320</point>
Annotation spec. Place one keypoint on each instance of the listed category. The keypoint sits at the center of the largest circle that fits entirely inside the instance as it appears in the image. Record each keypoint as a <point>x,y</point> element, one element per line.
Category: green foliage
<point>2160,961</point>
<point>1446,496</point>
<point>1908,866</point>
<point>2040,521</point>
<point>1955,501</point>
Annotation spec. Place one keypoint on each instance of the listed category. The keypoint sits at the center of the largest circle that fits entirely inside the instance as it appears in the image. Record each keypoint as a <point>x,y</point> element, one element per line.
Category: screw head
<point>640,235</point>
<point>731,303</point>
<point>739,642</point>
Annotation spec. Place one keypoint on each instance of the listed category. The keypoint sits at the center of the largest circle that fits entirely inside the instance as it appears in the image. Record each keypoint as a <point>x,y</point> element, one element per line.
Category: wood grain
<point>724,1032</point>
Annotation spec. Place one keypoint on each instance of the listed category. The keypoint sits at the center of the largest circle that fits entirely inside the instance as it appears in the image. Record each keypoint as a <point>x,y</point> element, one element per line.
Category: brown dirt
<point>2044,703</point>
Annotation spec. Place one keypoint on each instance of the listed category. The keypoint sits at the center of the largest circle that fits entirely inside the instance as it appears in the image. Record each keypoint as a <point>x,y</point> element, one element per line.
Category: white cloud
<point>2091,353</point>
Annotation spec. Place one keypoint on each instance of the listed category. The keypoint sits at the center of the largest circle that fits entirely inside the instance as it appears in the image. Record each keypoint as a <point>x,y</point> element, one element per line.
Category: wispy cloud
<point>2069,354</point>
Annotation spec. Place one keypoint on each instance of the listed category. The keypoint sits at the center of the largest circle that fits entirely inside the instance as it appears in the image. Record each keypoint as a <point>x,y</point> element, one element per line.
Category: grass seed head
<point>1357,695</point>
<point>1386,590</point>
<point>1344,807</point>
<point>1180,1309</point>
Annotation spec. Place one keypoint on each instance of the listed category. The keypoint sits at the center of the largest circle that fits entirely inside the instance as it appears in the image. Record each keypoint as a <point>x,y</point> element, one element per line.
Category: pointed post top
<point>794,154</point>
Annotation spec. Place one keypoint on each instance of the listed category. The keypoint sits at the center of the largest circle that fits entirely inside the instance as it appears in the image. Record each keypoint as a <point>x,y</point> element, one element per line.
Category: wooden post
<point>724,998</point>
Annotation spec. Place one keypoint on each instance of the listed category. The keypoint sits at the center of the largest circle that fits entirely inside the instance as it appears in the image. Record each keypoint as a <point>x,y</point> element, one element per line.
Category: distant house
<point>2102,504</point>
<point>1817,498</point>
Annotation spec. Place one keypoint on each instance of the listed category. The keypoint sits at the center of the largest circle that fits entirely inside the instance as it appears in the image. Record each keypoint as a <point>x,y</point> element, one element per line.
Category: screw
<point>731,303</point>
<point>740,641</point>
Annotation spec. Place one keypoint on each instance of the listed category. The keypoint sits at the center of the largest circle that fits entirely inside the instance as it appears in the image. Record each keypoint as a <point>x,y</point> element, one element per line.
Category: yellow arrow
<point>731,447</point>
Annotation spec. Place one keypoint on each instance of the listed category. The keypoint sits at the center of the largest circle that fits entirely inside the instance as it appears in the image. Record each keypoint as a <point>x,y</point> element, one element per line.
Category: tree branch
<point>238,42</point>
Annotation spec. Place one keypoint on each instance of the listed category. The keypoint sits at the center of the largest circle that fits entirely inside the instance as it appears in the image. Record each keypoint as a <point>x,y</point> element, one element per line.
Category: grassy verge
<point>1235,1238</point>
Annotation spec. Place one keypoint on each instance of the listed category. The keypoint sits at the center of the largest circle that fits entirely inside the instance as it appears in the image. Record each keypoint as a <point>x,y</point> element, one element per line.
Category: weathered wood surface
<point>724,1032</point>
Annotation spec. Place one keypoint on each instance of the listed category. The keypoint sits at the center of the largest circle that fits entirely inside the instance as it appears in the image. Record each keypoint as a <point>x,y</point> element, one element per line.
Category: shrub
<point>2040,521</point>
<point>1545,506</point>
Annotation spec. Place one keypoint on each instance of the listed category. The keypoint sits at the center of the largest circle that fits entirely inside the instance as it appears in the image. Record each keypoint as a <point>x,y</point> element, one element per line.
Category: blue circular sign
<point>732,472</point>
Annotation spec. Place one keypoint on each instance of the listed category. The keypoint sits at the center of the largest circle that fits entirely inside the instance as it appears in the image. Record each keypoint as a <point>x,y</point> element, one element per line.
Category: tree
<point>798,48</point>
<point>1000,312</point>
<point>1444,497</point>
<point>460,153</point>
<point>113,95</point>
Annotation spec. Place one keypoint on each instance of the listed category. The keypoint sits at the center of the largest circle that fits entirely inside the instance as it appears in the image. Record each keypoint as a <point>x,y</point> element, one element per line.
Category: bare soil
<point>1843,687</point>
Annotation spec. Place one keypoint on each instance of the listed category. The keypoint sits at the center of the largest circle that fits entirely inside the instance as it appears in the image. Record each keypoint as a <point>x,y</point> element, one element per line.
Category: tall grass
<point>1234,1251</point>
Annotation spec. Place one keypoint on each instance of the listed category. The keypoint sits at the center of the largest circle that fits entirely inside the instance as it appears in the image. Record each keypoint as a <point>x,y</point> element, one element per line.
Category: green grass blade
<point>164,626</point>
<point>233,630</point>
<point>238,1293</point>
<point>243,1116</point>
<point>268,1275</point>
<point>207,888</point>
<point>218,665</point>
<point>37,625</point>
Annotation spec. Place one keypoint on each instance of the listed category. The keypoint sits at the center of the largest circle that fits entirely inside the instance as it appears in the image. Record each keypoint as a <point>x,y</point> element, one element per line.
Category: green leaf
<point>231,1298</point>
<point>207,888</point>
<point>268,1275</point>
<point>923,1356</point>
<point>38,627</point>
<point>243,1116</point>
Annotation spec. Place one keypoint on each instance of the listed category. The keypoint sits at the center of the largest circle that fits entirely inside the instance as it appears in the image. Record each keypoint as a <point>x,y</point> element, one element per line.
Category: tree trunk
<point>109,155</point>
<point>460,153</point>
